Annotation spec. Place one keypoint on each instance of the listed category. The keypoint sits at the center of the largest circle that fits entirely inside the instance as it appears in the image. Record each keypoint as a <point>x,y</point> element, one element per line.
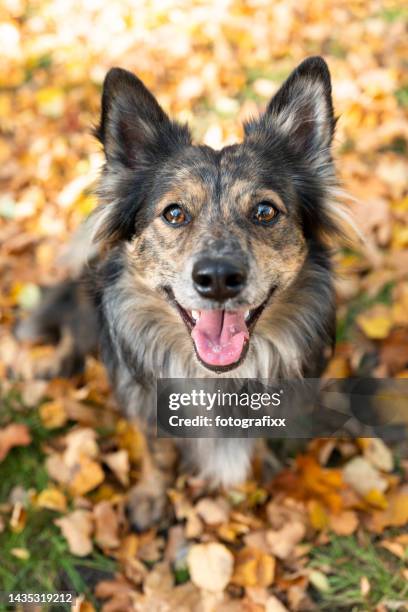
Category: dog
<point>205,263</point>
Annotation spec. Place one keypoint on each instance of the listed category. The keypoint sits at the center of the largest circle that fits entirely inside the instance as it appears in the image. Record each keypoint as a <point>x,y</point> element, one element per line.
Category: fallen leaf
<point>395,515</point>
<point>118,462</point>
<point>365,586</point>
<point>52,499</point>
<point>274,605</point>
<point>363,477</point>
<point>80,443</point>
<point>106,525</point>
<point>15,434</point>
<point>211,511</point>
<point>253,568</point>
<point>210,565</point>
<point>344,523</point>
<point>88,474</point>
<point>20,553</point>
<point>319,581</point>
<point>378,454</point>
<point>376,322</point>
<point>318,515</point>
<point>283,541</point>
<point>77,528</point>
<point>53,414</point>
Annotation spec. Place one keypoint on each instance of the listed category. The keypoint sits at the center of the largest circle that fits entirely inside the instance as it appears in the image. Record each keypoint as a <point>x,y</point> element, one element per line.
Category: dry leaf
<point>376,322</point>
<point>282,542</point>
<point>118,462</point>
<point>212,511</point>
<point>395,515</point>
<point>253,568</point>
<point>88,474</point>
<point>210,566</point>
<point>345,523</point>
<point>15,434</point>
<point>365,586</point>
<point>77,528</point>
<point>52,499</point>
<point>274,605</point>
<point>378,454</point>
<point>53,414</point>
<point>106,525</point>
<point>363,477</point>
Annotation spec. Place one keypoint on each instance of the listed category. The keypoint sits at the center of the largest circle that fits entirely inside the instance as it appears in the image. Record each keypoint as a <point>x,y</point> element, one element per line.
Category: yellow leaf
<point>52,499</point>
<point>318,515</point>
<point>254,568</point>
<point>20,553</point>
<point>50,101</point>
<point>88,475</point>
<point>53,414</point>
<point>377,322</point>
<point>376,498</point>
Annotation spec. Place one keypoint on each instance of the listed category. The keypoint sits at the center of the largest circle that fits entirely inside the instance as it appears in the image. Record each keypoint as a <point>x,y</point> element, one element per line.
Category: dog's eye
<point>265,213</point>
<point>175,215</point>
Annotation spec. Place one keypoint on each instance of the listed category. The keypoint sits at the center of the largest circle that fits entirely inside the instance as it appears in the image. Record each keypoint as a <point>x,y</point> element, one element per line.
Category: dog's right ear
<point>133,127</point>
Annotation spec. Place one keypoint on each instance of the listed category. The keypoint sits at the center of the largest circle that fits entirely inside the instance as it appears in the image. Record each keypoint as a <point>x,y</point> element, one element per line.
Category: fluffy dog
<point>207,263</point>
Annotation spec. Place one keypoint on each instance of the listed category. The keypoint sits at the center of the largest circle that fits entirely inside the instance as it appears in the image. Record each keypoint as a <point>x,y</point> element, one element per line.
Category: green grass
<point>345,561</point>
<point>402,96</point>
<point>50,566</point>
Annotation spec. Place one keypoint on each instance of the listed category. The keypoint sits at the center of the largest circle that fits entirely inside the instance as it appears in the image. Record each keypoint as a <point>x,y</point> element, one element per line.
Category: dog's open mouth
<point>220,337</point>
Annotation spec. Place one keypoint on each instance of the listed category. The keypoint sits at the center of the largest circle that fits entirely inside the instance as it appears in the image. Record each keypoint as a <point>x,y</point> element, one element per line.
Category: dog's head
<point>219,234</point>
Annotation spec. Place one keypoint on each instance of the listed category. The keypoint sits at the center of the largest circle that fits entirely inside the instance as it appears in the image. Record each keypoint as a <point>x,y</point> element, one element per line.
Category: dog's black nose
<point>218,279</point>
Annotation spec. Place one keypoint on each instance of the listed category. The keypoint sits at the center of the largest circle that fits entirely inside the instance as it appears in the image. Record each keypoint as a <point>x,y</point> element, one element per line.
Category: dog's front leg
<point>147,501</point>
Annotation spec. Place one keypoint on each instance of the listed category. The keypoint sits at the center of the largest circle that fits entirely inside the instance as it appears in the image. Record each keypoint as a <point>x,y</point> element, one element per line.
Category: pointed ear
<point>133,126</point>
<point>302,109</point>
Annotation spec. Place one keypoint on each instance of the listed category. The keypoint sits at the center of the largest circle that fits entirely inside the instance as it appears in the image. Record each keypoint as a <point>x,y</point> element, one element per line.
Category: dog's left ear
<point>302,109</point>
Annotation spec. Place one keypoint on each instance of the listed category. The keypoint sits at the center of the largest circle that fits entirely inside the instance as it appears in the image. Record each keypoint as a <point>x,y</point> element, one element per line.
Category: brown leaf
<point>253,568</point>
<point>213,512</point>
<point>283,541</point>
<point>118,462</point>
<point>345,523</point>
<point>210,566</point>
<point>106,525</point>
<point>395,515</point>
<point>77,529</point>
<point>15,434</point>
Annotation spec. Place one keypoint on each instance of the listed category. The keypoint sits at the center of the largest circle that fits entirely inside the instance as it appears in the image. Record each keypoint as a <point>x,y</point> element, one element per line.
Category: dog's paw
<point>147,505</point>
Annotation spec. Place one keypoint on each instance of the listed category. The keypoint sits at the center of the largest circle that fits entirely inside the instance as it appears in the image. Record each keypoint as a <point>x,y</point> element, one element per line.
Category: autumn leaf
<point>106,525</point>
<point>377,322</point>
<point>52,499</point>
<point>15,434</point>
<point>253,567</point>
<point>210,566</point>
<point>77,528</point>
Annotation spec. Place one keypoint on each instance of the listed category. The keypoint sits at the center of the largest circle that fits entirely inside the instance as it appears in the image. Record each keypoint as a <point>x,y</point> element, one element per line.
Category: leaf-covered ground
<point>329,529</point>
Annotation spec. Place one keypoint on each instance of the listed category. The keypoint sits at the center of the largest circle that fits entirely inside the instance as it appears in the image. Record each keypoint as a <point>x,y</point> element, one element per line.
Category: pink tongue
<point>219,336</point>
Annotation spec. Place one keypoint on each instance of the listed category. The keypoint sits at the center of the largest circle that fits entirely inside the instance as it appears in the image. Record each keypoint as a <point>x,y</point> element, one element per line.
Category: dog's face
<point>219,234</point>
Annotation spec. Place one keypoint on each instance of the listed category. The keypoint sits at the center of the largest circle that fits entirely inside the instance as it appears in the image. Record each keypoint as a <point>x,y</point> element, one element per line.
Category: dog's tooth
<point>247,313</point>
<point>195,314</point>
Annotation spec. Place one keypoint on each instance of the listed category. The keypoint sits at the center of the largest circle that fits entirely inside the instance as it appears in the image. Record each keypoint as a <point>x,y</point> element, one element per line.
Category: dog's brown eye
<point>175,215</point>
<point>265,213</point>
